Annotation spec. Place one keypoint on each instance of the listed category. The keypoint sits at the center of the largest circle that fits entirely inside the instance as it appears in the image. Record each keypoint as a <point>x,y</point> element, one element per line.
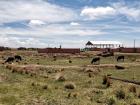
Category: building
<point>103,44</point>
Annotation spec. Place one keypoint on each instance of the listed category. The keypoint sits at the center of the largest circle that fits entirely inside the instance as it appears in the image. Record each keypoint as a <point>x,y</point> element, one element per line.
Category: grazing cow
<point>9,60</point>
<point>94,60</point>
<point>120,58</point>
<point>18,57</point>
<point>119,67</point>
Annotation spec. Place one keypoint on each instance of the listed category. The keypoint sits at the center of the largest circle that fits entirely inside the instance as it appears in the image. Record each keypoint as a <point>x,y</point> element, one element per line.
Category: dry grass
<point>81,83</point>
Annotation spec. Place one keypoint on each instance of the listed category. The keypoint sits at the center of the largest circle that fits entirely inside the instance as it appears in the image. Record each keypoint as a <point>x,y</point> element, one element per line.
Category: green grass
<point>131,73</point>
<point>23,89</point>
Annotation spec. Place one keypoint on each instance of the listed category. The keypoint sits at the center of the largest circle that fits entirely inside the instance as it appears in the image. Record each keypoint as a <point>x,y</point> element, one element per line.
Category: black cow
<point>18,57</point>
<point>120,58</point>
<point>9,60</point>
<point>94,60</point>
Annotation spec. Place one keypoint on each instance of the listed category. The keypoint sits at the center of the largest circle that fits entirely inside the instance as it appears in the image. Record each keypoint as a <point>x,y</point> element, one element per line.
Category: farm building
<point>103,44</point>
<point>59,50</point>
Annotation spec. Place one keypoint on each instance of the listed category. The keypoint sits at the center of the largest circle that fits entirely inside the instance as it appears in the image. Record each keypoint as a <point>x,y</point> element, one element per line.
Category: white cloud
<point>36,23</point>
<point>18,42</point>
<point>18,10</point>
<point>116,9</point>
<point>97,13</point>
<point>74,24</point>
<point>51,30</point>
<point>132,13</point>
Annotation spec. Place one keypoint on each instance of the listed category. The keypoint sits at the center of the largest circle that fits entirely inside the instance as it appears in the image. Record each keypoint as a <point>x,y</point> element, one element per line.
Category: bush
<point>111,101</point>
<point>139,95</point>
<point>54,58</point>
<point>45,87</point>
<point>70,86</point>
<point>21,72</point>
<point>69,95</point>
<point>132,89</point>
<point>108,84</point>
<point>70,61</point>
<point>13,71</point>
<point>26,72</point>
<point>105,78</point>
<point>33,84</point>
<point>120,94</point>
<point>75,95</point>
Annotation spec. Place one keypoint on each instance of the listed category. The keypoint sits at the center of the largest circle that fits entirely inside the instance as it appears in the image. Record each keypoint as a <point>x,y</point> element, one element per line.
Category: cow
<point>120,58</point>
<point>18,58</point>
<point>94,60</point>
<point>9,60</point>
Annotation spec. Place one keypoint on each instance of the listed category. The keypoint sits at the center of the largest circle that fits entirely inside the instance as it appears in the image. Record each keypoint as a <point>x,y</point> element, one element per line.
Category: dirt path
<point>81,67</point>
<point>77,66</point>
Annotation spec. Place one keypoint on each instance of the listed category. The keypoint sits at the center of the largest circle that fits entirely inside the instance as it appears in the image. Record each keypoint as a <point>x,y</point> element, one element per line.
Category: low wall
<point>123,50</point>
<point>59,50</point>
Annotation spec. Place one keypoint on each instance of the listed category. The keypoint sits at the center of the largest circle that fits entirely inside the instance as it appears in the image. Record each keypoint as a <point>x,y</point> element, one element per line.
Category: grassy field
<point>70,85</point>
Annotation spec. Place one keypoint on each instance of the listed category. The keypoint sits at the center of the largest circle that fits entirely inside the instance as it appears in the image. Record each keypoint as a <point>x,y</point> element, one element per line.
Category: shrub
<point>108,84</point>
<point>75,95</point>
<point>105,79</point>
<point>70,61</point>
<point>45,87</point>
<point>21,72</point>
<point>31,75</point>
<point>56,87</point>
<point>60,70</point>
<point>70,86</point>
<point>33,84</point>
<point>111,101</point>
<point>54,58</point>
<point>13,71</point>
<point>90,75</point>
<point>139,95</point>
<point>69,95</point>
<point>132,89</point>
<point>120,94</point>
<point>26,72</point>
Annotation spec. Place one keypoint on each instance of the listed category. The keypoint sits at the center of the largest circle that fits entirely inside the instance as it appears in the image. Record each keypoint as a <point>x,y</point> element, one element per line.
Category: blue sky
<point>71,23</point>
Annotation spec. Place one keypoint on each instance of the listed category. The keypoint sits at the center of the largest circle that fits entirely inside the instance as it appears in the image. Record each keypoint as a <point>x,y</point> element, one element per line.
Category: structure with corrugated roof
<point>103,44</point>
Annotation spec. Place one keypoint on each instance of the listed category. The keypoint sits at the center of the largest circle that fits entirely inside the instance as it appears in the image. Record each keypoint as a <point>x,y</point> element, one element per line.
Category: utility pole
<point>135,46</point>
<point>134,43</point>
